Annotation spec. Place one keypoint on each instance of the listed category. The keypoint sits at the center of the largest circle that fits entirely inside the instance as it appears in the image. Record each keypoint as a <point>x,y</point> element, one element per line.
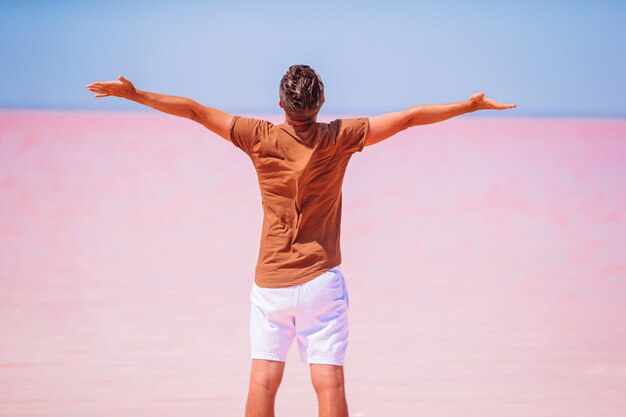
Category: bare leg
<point>265,377</point>
<point>329,385</point>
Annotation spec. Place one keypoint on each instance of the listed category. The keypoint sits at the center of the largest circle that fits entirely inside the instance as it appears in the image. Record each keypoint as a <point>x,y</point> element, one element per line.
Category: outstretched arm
<point>213,119</point>
<point>388,124</point>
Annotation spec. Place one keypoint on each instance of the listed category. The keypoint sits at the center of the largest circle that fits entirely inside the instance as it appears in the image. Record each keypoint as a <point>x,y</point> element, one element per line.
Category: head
<point>301,93</point>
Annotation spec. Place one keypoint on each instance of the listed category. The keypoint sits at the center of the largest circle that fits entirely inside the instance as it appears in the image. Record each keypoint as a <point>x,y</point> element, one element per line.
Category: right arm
<point>213,119</point>
<point>386,125</point>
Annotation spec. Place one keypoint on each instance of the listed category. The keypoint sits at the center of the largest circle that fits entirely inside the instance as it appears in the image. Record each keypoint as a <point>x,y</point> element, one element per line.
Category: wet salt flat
<point>484,258</point>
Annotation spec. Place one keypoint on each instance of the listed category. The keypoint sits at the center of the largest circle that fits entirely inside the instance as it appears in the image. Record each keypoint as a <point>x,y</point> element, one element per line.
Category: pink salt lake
<point>485,260</point>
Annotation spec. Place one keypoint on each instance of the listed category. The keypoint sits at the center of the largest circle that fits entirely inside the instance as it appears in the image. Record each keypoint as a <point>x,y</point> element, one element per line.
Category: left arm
<point>386,125</point>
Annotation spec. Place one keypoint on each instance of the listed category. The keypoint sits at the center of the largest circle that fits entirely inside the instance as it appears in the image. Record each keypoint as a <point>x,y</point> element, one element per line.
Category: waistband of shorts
<point>333,269</point>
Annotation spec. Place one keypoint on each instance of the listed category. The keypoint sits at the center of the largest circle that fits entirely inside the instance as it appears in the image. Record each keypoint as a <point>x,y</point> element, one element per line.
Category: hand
<point>479,102</point>
<point>122,88</point>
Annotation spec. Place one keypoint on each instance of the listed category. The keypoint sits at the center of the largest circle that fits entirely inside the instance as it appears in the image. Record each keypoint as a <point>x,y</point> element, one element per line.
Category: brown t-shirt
<point>300,172</point>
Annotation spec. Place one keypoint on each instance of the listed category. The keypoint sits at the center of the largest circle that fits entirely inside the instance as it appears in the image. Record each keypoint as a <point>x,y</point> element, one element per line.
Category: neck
<point>297,123</point>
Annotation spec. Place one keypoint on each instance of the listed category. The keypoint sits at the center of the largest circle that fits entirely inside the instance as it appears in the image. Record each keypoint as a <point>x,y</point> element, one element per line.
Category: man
<point>299,290</point>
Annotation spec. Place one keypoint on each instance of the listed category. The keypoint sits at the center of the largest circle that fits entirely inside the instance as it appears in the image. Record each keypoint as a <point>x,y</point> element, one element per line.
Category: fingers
<point>481,100</point>
<point>492,104</point>
<point>100,90</point>
<point>97,89</point>
<point>506,106</point>
<point>101,87</point>
<point>101,84</point>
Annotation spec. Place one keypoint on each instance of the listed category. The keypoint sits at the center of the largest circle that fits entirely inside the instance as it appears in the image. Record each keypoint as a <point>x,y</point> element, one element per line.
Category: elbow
<point>190,112</point>
<point>408,119</point>
<point>192,115</point>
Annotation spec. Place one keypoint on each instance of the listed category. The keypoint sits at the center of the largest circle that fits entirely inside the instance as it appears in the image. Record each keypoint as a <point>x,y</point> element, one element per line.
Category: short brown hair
<point>301,92</point>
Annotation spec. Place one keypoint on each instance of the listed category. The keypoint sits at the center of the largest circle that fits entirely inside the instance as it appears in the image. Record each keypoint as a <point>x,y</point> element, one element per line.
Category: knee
<point>328,386</point>
<point>328,382</point>
<point>265,383</point>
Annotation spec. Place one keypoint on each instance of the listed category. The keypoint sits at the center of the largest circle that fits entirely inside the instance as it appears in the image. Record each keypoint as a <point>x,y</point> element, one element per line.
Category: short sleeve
<point>246,132</point>
<point>351,134</point>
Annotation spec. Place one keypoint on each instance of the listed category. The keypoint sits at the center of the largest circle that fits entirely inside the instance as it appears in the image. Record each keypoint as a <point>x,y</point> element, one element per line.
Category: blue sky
<point>550,58</point>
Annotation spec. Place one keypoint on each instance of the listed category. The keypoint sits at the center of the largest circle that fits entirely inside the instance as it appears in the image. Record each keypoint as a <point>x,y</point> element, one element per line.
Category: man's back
<point>300,171</point>
<point>300,166</point>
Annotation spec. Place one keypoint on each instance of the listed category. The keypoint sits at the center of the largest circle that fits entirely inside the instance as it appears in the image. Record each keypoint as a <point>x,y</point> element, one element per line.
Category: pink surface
<point>485,260</point>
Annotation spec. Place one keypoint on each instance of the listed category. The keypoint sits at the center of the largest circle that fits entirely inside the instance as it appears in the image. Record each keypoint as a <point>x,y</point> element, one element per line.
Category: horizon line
<point>536,114</point>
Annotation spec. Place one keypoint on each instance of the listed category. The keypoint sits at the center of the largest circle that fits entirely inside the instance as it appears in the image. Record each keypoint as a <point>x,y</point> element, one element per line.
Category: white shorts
<point>315,312</point>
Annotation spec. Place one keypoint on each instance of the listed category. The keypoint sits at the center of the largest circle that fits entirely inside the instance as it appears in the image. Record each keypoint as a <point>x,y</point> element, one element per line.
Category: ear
<point>280,104</point>
<point>323,100</point>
